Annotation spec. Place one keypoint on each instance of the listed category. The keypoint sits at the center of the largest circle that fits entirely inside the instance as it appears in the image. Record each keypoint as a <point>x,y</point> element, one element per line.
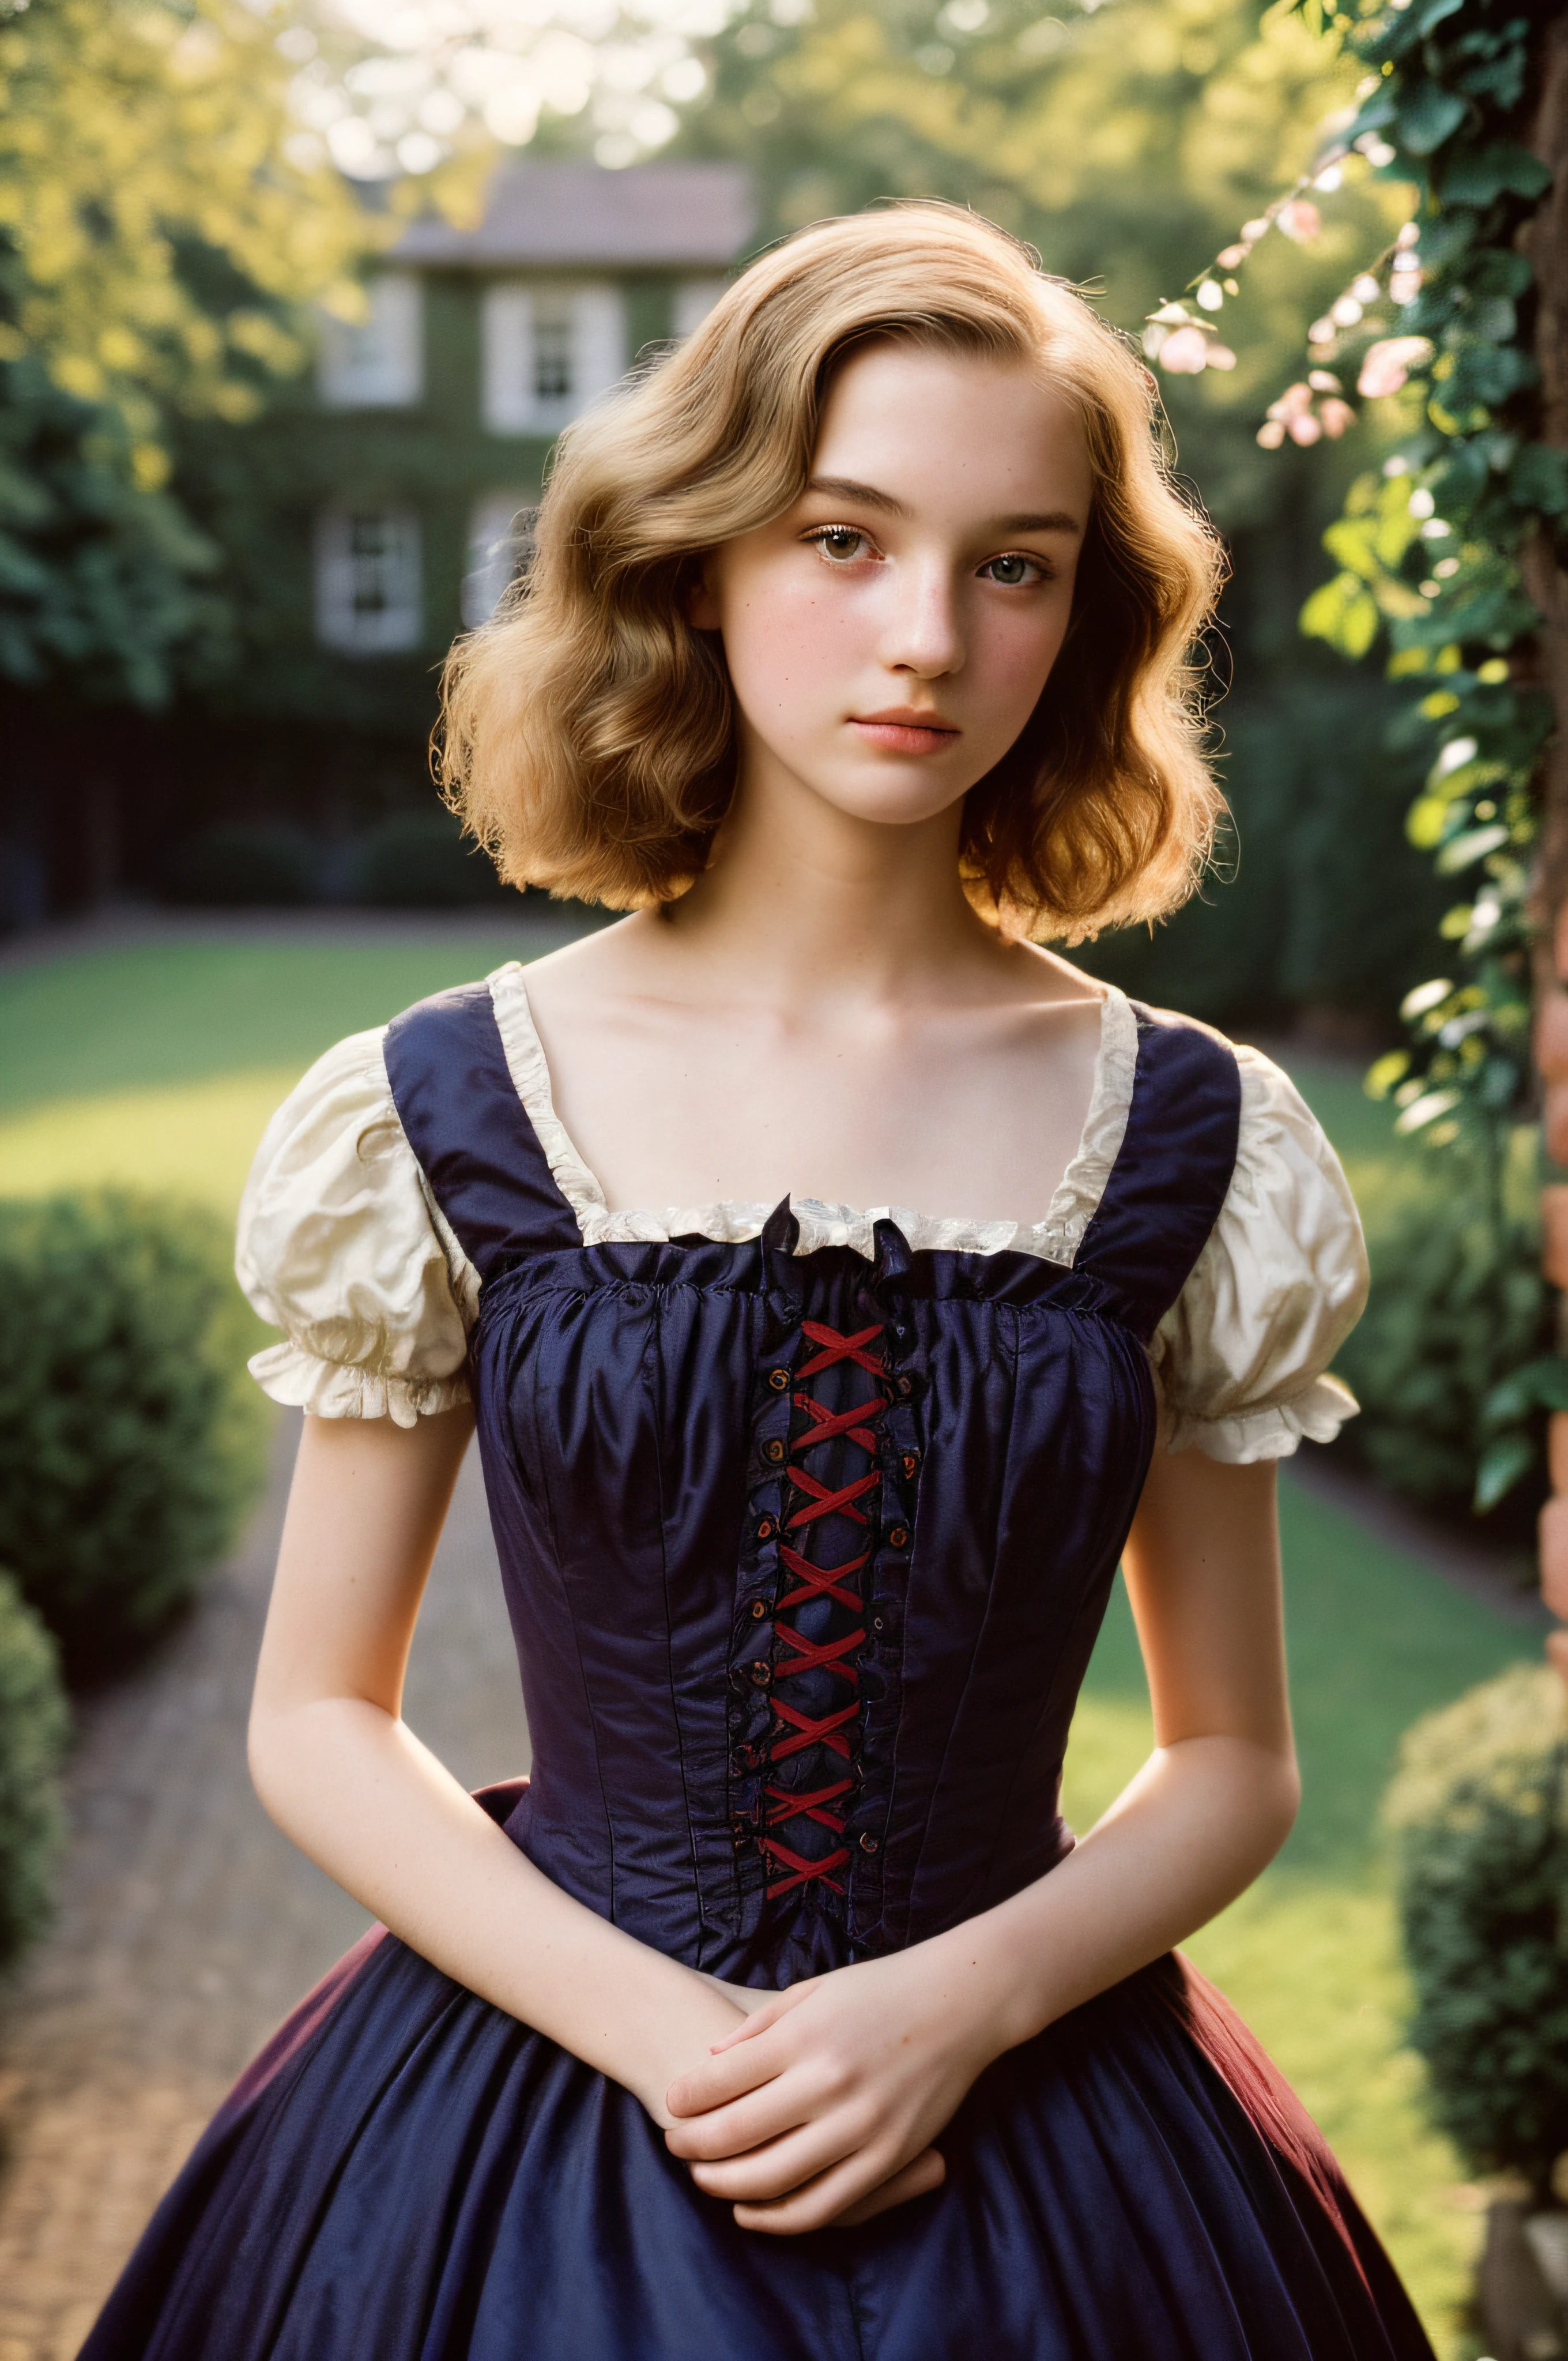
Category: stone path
<point>187,1925</point>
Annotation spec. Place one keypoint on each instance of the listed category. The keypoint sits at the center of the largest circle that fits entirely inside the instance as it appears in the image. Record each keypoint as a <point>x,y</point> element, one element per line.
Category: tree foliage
<point>156,241</point>
<point>1122,140</point>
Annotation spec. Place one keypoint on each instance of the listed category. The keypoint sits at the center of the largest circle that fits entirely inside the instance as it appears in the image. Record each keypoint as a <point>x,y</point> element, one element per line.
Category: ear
<point>701,600</point>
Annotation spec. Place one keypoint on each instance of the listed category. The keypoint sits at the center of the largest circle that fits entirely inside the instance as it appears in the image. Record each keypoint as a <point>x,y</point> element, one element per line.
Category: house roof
<point>568,215</point>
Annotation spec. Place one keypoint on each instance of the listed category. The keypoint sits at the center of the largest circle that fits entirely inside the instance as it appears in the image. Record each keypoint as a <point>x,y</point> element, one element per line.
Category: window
<point>549,351</point>
<point>498,539</point>
<point>368,580</point>
<point>377,363</point>
<point>694,299</point>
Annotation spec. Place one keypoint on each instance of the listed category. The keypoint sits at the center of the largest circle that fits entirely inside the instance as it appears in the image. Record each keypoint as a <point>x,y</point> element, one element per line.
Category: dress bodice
<point>804,1552</point>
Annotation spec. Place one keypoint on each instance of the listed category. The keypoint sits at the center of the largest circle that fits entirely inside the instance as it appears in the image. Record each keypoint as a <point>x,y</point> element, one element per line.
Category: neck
<point>815,907</point>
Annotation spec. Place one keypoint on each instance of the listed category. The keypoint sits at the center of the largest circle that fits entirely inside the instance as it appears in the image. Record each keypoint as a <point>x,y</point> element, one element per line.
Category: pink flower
<point>1271,434</point>
<point>1387,364</point>
<point>1336,416</point>
<point>1300,220</point>
<point>1304,428</point>
<point>1294,403</point>
<point>1185,352</point>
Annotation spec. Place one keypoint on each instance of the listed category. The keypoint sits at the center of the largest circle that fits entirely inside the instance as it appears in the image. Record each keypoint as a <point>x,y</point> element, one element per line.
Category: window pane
<point>552,352</point>
<point>368,588</point>
<point>377,362</point>
<point>549,350</point>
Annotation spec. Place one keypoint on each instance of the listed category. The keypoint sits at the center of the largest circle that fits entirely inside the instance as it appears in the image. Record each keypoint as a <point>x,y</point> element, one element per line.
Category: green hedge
<point>131,1440</point>
<point>1458,1302</point>
<point>1480,1825</point>
<point>34,1725</point>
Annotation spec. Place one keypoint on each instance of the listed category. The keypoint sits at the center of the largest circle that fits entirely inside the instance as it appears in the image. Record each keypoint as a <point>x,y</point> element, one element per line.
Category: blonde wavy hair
<point>587,735</point>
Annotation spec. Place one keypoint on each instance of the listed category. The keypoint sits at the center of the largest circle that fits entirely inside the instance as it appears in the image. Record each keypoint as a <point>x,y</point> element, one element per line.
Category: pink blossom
<point>1305,428</point>
<point>1294,403</point>
<point>1271,434</point>
<point>1387,364</point>
<point>1336,416</point>
<point>1185,352</point>
<point>1300,220</point>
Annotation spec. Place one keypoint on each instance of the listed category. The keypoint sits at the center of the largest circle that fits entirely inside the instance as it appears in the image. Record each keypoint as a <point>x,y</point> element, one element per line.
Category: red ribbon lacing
<point>796,1730</point>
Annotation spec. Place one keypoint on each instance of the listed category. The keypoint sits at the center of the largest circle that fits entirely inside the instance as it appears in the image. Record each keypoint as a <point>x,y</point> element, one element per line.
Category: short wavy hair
<point>587,735</point>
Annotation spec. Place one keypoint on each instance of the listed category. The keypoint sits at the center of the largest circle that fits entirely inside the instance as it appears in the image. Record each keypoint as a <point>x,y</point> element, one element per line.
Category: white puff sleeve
<point>1240,1356</point>
<point>342,1246</point>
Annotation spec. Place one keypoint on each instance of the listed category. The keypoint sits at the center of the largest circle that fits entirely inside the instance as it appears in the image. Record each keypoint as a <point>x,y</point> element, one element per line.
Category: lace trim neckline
<point>732,1221</point>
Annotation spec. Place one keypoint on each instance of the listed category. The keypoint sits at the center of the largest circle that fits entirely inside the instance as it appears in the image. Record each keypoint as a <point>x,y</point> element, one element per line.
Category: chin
<point>892,802</point>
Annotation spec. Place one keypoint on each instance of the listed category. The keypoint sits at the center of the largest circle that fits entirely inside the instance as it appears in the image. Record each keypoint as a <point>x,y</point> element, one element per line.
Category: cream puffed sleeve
<point>342,1246</point>
<point>1240,1355</point>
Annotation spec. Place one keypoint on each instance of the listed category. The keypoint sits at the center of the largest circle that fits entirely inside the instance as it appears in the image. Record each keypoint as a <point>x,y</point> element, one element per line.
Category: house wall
<point>261,492</point>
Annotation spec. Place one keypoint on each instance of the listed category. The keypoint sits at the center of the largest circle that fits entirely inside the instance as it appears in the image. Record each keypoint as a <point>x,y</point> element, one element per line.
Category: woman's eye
<point>1013,572</point>
<point>842,544</point>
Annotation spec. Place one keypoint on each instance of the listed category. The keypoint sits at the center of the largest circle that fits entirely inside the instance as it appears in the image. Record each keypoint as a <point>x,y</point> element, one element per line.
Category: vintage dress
<point>807,1522</point>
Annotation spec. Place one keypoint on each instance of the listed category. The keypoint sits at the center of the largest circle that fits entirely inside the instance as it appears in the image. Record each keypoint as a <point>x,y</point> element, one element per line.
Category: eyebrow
<point>845,488</point>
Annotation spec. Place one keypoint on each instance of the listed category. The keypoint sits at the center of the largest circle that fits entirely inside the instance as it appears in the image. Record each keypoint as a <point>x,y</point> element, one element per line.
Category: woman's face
<point>889,637</point>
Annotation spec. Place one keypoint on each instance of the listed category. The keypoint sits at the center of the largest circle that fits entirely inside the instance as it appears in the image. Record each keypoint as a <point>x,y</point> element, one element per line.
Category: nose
<point>924,633</point>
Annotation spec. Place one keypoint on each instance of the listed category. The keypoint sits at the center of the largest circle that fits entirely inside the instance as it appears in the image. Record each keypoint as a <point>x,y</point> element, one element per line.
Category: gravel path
<point>187,1925</point>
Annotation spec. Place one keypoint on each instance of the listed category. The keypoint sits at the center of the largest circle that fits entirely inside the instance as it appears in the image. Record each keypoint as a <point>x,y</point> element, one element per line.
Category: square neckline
<point>732,1221</point>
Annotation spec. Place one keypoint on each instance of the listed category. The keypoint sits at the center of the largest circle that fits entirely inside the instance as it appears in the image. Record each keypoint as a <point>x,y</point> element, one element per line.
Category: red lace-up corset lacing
<point>796,1732</point>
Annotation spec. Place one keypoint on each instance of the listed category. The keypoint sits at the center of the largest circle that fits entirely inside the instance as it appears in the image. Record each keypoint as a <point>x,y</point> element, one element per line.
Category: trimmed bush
<point>131,1440</point>
<point>1458,1302</point>
<point>1481,1828</point>
<point>34,1726</point>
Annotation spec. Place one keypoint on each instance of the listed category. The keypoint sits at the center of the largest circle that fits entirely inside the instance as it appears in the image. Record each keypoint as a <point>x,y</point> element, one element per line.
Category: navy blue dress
<point>804,1555</point>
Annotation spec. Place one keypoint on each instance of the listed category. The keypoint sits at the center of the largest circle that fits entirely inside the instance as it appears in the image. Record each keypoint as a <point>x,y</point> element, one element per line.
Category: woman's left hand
<point>822,2107</point>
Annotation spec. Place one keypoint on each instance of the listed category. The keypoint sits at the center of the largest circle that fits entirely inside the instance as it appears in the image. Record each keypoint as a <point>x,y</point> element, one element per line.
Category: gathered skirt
<point>407,2173</point>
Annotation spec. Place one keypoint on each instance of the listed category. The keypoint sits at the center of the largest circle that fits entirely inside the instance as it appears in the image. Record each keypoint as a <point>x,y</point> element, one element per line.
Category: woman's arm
<point>837,2086</point>
<point>343,1775</point>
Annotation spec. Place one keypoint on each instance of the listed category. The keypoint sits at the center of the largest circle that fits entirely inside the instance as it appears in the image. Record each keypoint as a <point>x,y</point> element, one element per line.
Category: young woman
<point>780,2018</point>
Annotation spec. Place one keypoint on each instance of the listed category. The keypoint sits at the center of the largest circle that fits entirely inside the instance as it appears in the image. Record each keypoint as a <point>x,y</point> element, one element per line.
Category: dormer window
<point>549,351</point>
<point>377,363</point>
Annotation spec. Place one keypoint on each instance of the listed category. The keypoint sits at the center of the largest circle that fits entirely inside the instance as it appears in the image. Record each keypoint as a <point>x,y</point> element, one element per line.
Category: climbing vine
<point>1429,550</point>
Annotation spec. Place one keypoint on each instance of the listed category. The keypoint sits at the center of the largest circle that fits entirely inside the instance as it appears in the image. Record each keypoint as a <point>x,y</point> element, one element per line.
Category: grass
<point>157,1067</point>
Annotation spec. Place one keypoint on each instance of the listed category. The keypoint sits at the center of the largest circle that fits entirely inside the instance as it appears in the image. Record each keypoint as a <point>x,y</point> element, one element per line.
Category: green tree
<point>156,242</point>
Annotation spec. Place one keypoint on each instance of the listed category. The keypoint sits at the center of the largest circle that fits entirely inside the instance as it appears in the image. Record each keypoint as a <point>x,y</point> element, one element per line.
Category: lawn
<point>158,1066</point>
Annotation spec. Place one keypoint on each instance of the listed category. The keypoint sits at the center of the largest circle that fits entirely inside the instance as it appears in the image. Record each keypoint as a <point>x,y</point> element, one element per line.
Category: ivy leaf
<point>1501,1465</point>
<point>1486,173</point>
<point>1539,1385</point>
<point>1428,117</point>
<point>1496,270</point>
<point>1488,374</point>
<point>1537,480</point>
<point>1461,477</point>
<point>1462,851</point>
<point>1343,612</point>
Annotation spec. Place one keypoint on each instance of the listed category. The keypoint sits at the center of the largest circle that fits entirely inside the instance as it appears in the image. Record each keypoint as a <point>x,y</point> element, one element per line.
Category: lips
<point>905,730</point>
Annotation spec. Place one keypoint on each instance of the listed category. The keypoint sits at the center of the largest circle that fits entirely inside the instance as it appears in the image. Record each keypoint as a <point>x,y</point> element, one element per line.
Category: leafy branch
<point>1429,550</point>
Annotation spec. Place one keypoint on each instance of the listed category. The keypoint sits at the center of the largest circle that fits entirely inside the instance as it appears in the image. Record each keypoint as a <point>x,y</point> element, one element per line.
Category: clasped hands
<point>822,2106</point>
